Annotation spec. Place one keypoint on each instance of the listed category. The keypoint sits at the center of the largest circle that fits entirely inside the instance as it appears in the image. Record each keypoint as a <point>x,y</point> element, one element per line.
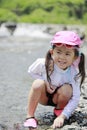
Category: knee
<point>37,84</point>
<point>66,92</point>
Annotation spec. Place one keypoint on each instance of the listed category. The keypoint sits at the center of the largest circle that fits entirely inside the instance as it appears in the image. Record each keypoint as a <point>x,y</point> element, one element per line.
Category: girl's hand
<point>50,88</point>
<point>58,122</point>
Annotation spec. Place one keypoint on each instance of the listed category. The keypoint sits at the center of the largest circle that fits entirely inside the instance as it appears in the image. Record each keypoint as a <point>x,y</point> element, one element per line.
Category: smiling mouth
<point>61,63</point>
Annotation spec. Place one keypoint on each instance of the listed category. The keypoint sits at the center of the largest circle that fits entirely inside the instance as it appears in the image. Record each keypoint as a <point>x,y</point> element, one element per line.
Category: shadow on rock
<point>79,118</point>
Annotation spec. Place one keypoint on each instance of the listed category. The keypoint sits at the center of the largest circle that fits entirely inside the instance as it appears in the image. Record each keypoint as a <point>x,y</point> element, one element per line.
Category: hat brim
<point>63,42</point>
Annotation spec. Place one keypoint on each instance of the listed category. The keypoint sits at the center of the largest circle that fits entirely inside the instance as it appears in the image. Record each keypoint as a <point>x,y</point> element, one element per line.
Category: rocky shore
<point>17,52</point>
<point>78,121</point>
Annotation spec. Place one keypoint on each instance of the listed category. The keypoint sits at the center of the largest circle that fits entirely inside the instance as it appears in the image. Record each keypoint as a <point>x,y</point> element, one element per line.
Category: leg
<point>35,96</point>
<point>63,95</point>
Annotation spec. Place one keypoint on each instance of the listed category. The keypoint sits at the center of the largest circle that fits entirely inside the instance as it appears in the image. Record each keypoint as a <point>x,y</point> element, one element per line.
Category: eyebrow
<point>58,49</point>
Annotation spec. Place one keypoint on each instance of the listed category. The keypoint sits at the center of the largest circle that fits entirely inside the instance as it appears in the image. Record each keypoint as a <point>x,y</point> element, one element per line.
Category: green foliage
<point>46,11</point>
<point>6,15</point>
<point>37,16</point>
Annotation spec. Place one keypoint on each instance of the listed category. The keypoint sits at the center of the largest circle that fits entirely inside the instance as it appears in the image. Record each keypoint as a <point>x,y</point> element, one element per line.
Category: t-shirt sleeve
<point>74,101</point>
<point>35,70</point>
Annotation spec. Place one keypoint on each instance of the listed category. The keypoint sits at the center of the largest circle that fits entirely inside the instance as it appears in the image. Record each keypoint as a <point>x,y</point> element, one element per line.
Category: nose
<point>62,56</point>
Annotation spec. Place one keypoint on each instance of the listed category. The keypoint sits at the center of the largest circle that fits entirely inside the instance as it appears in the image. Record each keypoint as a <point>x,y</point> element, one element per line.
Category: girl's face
<point>63,57</point>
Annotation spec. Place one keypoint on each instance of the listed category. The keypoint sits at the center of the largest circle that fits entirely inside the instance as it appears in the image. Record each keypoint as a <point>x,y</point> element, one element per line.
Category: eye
<point>58,52</point>
<point>68,54</point>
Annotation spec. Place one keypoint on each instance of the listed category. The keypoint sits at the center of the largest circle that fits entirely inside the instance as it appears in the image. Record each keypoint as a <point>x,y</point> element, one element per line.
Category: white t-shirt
<point>59,77</point>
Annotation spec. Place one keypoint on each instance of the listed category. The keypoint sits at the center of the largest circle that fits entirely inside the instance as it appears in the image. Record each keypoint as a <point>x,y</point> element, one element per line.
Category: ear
<point>51,51</point>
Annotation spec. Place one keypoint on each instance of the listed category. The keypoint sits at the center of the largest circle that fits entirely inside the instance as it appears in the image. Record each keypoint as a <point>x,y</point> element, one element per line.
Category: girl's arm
<point>36,69</point>
<point>74,101</point>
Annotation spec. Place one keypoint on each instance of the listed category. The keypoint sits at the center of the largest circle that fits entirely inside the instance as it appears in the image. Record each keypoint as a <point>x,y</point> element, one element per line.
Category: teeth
<point>61,62</point>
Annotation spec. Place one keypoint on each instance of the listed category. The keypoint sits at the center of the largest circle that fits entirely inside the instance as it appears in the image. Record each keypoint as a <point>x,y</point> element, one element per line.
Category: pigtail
<point>49,65</point>
<point>82,68</point>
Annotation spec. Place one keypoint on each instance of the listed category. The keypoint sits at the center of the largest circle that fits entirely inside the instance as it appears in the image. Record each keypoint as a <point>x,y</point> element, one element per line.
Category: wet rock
<point>11,27</point>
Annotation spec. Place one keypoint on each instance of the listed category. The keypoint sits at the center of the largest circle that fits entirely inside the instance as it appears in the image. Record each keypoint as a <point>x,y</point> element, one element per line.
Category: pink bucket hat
<point>66,37</point>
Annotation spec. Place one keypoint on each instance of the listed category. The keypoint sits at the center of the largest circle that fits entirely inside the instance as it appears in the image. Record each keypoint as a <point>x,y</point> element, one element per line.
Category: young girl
<point>58,78</point>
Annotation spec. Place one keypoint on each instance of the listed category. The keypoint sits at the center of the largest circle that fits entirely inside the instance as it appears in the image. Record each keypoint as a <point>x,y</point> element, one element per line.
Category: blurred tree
<point>79,11</point>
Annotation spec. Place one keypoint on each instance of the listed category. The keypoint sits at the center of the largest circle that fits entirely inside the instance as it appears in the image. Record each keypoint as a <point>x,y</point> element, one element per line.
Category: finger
<point>56,125</point>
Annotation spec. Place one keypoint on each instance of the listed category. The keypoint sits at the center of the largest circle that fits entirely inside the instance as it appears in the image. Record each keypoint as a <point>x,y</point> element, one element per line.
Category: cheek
<point>71,59</point>
<point>54,58</point>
